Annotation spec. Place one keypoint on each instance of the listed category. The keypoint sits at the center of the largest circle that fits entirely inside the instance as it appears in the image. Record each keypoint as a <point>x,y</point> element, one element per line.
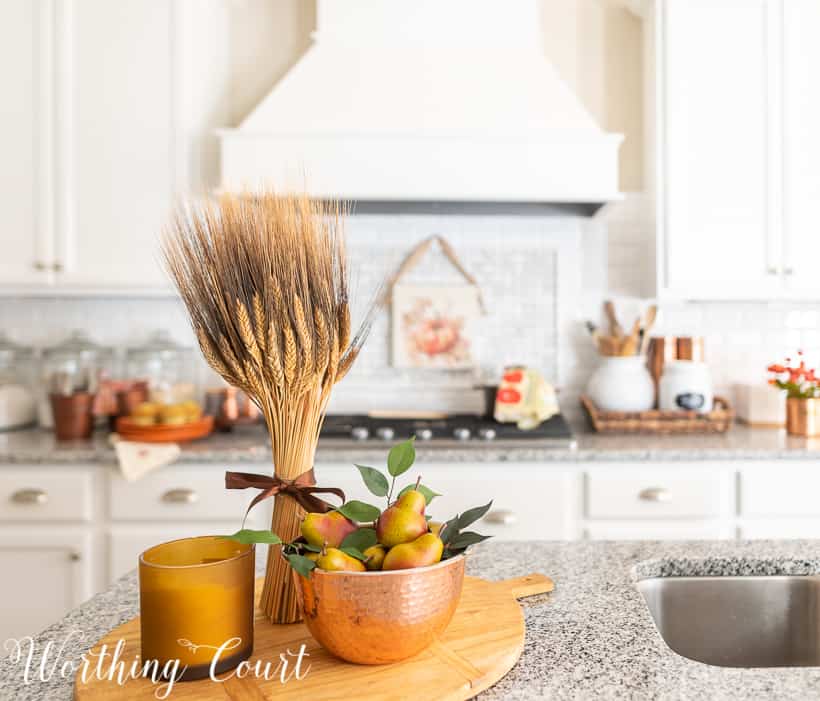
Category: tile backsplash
<point>541,277</point>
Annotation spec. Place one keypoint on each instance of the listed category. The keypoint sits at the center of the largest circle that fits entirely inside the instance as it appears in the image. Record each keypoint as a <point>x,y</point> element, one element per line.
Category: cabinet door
<point>117,158</point>
<point>46,573</point>
<point>718,228</point>
<point>801,133</point>
<point>24,71</point>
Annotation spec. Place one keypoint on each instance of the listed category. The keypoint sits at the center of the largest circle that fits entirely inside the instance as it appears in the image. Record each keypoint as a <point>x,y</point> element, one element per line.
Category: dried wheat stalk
<point>264,279</point>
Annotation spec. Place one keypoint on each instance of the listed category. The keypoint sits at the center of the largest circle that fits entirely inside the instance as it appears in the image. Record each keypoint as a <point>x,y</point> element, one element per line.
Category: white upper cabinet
<point>738,151</point>
<point>108,113</point>
<point>116,166</point>
<point>23,140</point>
<point>801,153</point>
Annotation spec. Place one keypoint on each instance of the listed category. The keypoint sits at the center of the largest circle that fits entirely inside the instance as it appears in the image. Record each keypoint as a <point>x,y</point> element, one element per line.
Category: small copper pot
<point>380,617</point>
<point>72,415</point>
<point>803,417</point>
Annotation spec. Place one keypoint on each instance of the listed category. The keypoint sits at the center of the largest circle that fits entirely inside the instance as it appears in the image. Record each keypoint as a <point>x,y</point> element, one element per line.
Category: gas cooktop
<point>456,429</point>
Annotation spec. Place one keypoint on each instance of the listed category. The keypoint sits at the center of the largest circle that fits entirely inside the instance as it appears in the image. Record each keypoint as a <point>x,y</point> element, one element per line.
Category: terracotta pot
<point>803,416</point>
<point>72,415</point>
<point>380,617</point>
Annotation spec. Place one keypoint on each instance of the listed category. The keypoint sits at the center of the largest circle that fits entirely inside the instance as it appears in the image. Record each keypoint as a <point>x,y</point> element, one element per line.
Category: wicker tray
<point>719,420</point>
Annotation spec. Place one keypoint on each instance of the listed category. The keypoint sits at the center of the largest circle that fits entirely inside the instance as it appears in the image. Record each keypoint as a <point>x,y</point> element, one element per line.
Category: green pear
<point>375,557</point>
<point>404,521</point>
<point>423,551</point>
<point>334,560</point>
<point>331,528</point>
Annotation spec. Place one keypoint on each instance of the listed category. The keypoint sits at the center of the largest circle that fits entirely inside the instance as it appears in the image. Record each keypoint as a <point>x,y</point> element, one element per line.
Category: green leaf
<point>466,539</point>
<point>361,539</point>
<point>359,511</point>
<point>310,548</point>
<point>249,536</point>
<point>374,480</point>
<point>472,515</point>
<point>354,552</point>
<point>448,530</point>
<point>401,457</point>
<point>428,493</point>
<point>301,564</point>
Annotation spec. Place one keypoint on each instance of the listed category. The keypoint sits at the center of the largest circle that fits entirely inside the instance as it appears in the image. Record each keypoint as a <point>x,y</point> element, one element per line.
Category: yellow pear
<point>331,528</point>
<point>375,557</point>
<point>423,551</point>
<point>404,521</point>
<point>334,560</point>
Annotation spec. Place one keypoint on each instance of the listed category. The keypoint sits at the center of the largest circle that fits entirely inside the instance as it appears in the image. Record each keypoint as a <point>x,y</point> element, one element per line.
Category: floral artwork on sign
<point>432,326</point>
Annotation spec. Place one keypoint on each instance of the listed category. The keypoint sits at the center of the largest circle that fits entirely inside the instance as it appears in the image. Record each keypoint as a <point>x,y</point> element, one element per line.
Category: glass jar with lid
<point>167,367</point>
<point>75,366</point>
<point>18,406</point>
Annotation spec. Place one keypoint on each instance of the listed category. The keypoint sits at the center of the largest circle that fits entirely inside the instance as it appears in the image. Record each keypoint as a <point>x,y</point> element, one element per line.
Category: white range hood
<point>425,100</point>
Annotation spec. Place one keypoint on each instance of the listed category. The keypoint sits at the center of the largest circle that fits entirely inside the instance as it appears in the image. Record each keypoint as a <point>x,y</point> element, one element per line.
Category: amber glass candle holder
<point>196,604</point>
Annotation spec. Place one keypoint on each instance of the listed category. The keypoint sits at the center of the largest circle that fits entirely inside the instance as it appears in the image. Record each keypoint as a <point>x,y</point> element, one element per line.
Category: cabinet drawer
<point>184,494</point>
<point>664,492</point>
<point>780,490</point>
<point>529,502</point>
<point>669,529</point>
<point>50,494</point>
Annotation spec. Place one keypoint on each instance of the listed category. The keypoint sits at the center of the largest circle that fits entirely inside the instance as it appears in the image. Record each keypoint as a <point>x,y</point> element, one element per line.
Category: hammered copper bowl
<point>380,617</point>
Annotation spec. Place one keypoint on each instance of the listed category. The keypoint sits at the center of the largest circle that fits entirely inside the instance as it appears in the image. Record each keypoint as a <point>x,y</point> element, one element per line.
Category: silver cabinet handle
<point>180,496</point>
<point>57,267</point>
<point>788,271</point>
<point>503,517</point>
<point>773,270</point>
<point>74,557</point>
<point>39,265</point>
<point>658,494</point>
<point>35,497</point>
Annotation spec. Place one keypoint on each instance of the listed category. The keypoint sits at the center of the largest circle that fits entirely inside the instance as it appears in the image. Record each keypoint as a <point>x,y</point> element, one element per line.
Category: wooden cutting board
<point>481,644</point>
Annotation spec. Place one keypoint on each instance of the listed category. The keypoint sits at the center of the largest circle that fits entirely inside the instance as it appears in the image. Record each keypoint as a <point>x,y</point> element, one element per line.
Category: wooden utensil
<point>648,323</point>
<point>629,346</point>
<point>615,328</point>
<point>466,659</point>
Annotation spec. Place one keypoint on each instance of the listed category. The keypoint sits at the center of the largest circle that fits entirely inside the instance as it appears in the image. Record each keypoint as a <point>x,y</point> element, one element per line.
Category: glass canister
<point>72,368</point>
<point>166,366</point>
<point>18,404</point>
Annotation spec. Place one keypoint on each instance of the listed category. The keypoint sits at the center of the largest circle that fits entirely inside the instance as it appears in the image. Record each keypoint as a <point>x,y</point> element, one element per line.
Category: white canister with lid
<point>686,385</point>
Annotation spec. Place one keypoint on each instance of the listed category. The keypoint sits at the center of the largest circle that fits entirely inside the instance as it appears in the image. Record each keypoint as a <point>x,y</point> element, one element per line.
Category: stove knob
<point>461,434</point>
<point>424,434</point>
<point>386,433</point>
<point>487,433</point>
<point>359,433</point>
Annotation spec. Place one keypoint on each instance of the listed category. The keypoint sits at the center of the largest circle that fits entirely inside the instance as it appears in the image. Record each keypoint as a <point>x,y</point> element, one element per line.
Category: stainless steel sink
<point>738,621</point>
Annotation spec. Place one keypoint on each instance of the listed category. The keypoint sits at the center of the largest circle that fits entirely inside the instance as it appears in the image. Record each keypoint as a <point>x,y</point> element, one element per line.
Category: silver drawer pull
<point>503,517</point>
<point>30,497</point>
<point>180,496</point>
<point>655,494</point>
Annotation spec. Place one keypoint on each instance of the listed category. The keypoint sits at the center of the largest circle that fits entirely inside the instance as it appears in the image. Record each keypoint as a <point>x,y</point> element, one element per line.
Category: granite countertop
<point>593,637</point>
<point>250,445</point>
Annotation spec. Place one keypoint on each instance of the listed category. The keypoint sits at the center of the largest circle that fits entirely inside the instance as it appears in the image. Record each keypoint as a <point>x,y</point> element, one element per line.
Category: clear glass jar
<point>166,366</point>
<point>18,405</point>
<point>77,365</point>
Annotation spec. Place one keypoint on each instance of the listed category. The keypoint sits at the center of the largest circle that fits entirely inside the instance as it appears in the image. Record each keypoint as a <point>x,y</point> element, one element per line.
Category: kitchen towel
<point>138,459</point>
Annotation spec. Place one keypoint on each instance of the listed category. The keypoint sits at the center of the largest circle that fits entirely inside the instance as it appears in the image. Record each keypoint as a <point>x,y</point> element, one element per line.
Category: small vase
<point>803,417</point>
<point>622,383</point>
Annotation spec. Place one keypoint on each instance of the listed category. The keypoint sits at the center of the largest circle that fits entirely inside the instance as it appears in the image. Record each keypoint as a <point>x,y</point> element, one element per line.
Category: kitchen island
<point>593,637</point>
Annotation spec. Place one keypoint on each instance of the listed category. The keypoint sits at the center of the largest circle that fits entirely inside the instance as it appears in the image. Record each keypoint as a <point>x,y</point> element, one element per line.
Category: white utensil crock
<point>622,383</point>
<point>686,385</point>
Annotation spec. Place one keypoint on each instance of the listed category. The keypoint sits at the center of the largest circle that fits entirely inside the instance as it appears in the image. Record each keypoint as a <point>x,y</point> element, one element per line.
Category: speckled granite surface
<point>250,445</point>
<point>592,638</point>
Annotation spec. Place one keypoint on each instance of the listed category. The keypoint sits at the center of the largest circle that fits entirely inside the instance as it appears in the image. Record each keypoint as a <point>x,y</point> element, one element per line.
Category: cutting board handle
<point>528,585</point>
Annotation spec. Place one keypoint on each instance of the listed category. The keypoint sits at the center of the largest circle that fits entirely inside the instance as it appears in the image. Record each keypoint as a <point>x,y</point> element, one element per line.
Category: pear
<point>423,551</point>
<point>375,557</point>
<point>435,527</point>
<point>334,560</point>
<point>404,521</point>
<point>331,528</point>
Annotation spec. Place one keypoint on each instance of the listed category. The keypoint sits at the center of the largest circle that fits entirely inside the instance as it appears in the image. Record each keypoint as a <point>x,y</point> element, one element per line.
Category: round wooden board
<point>481,644</point>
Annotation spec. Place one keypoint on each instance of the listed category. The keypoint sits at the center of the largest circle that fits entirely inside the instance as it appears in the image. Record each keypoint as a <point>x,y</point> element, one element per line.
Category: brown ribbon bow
<point>302,489</point>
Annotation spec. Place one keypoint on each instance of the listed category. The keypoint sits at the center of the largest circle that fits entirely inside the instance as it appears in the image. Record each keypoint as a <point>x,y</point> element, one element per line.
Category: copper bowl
<point>380,617</point>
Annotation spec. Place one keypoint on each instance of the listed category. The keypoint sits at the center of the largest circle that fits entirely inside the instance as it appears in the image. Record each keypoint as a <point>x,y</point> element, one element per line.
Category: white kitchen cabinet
<point>801,145</point>
<point>659,530</point>
<point>717,237</point>
<point>46,572</point>
<point>24,143</point>
<point>737,168</point>
<point>780,490</point>
<point>780,529</point>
